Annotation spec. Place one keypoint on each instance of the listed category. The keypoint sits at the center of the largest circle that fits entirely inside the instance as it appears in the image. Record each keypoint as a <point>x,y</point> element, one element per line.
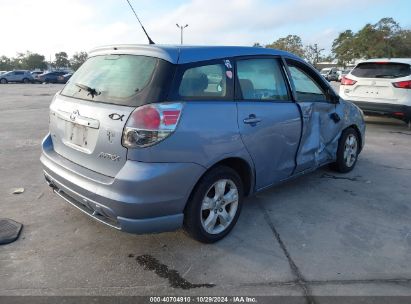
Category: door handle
<point>335,117</point>
<point>252,120</point>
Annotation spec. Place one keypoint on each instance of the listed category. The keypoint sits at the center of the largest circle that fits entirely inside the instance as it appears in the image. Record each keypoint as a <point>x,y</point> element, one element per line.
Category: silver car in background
<point>154,138</point>
<point>16,76</point>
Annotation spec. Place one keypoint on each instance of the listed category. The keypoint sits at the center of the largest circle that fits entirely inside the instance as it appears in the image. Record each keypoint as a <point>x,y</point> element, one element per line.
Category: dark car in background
<point>16,76</point>
<point>64,78</point>
<point>331,74</point>
<point>36,74</point>
<point>50,77</point>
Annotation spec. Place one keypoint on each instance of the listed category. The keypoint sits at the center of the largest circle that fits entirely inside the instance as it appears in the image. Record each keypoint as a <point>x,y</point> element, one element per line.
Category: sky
<point>51,26</point>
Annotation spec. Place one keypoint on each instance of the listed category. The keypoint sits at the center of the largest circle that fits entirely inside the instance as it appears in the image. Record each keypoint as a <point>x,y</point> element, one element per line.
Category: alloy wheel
<point>219,206</point>
<point>350,150</point>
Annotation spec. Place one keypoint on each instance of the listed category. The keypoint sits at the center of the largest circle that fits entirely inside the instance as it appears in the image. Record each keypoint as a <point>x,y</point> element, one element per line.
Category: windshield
<point>381,70</point>
<point>113,79</point>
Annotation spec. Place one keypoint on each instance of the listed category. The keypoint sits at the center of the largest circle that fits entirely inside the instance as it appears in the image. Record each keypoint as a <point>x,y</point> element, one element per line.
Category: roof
<point>186,54</point>
<point>395,60</point>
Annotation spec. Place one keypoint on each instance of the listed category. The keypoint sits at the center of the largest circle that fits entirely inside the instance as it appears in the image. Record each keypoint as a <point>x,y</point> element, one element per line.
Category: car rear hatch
<point>374,81</point>
<point>87,118</point>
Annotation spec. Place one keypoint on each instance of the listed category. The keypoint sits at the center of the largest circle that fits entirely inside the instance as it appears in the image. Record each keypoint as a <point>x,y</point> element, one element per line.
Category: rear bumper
<point>142,198</point>
<point>385,109</point>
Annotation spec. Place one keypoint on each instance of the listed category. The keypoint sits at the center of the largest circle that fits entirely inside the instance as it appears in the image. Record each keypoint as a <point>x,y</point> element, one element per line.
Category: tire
<point>347,152</point>
<point>3,81</point>
<point>26,80</point>
<point>206,206</point>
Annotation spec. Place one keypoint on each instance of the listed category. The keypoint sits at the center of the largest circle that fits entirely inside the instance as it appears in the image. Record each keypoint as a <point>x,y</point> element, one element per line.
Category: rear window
<point>116,79</point>
<point>381,70</point>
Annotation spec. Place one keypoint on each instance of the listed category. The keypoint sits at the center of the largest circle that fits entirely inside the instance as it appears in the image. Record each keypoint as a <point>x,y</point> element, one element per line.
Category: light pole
<point>181,31</point>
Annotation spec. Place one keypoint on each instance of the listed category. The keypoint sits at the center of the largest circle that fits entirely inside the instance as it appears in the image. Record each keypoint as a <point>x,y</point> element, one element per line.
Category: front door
<point>268,119</point>
<point>320,116</point>
<point>13,76</point>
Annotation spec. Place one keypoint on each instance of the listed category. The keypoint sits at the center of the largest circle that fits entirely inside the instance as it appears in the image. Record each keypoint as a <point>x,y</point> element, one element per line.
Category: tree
<point>18,62</point>
<point>313,53</point>
<point>385,38</point>
<point>402,44</point>
<point>34,61</point>
<point>291,43</point>
<point>343,47</point>
<point>5,63</point>
<point>61,60</point>
<point>257,44</point>
<point>77,60</point>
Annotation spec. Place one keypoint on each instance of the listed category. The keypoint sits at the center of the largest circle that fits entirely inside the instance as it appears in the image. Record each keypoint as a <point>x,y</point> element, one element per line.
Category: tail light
<point>150,124</point>
<point>402,84</point>
<point>347,81</point>
<point>399,114</point>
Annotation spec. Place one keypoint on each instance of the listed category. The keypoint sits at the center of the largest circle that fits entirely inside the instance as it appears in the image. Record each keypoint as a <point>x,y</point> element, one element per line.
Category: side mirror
<point>332,96</point>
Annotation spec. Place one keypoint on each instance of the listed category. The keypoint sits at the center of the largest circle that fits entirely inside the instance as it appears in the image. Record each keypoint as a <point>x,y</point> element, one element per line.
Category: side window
<point>19,73</point>
<point>204,81</point>
<point>261,79</point>
<point>307,89</point>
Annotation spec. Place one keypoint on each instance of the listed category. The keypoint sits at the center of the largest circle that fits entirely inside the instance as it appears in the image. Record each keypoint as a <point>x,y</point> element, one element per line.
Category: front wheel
<point>3,81</point>
<point>348,150</point>
<point>214,206</point>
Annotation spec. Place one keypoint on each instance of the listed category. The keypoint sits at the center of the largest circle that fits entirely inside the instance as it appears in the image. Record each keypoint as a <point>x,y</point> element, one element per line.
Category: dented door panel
<point>324,117</point>
<point>320,135</point>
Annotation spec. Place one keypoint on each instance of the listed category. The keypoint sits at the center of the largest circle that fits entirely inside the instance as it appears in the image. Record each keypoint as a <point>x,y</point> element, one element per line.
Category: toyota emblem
<point>74,115</point>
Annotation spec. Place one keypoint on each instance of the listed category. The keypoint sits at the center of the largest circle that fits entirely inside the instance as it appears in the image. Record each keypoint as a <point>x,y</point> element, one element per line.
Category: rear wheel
<point>3,81</point>
<point>26,80</point>
<point>348,150</point>
<point>215,205</point>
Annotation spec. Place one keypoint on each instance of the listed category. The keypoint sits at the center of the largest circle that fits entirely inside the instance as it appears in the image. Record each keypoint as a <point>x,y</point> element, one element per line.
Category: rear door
<point>268,120</point>
<point>87,118</point>
<point>321,117</point>
<point>19,76</point>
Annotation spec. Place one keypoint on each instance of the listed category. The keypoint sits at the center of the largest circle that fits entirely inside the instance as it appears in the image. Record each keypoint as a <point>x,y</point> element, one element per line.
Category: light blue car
<point>154,138</point>
<point>16,76</point>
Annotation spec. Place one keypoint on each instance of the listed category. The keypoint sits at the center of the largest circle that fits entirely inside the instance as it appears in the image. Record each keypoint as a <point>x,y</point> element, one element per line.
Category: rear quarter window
<point>381,70</point>
<point>204,80</point>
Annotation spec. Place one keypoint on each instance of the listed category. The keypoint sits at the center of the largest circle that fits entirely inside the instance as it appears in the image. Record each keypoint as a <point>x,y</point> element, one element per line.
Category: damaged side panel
<point>322,126</point>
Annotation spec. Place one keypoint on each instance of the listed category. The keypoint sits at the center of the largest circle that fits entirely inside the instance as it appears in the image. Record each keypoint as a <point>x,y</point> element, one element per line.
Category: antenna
<point>145,32</point>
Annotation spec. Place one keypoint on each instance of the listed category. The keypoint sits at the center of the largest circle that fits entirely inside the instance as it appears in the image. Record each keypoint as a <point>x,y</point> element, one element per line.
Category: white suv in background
<point>380,87</point>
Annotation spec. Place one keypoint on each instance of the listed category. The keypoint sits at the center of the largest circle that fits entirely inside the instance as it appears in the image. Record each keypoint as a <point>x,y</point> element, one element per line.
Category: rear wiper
<point>91,91</point>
